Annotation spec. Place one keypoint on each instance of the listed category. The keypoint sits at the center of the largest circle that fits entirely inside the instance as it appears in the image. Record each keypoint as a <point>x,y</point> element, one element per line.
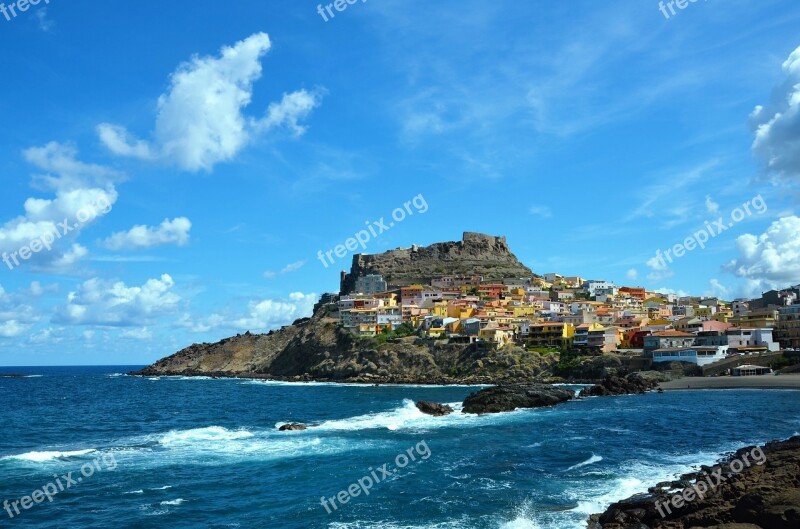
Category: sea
<point>99,448</point>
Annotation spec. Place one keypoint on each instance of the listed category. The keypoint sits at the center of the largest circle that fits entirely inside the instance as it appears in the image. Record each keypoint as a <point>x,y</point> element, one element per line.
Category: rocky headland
<point>753,488</point>
<point>317,349</point>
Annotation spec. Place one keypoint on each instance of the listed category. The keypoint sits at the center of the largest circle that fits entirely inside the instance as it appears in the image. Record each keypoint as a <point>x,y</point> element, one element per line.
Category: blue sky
<point>210,151</point>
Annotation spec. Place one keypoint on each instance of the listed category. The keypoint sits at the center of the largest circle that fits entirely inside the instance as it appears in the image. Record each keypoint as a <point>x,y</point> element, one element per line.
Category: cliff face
<point>475,254</point>
<point>316,349</point>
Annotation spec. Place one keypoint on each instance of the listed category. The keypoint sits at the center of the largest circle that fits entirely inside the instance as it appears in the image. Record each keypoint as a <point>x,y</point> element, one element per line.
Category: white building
<point>752,339</point>
<point>605,286</point>
<point>696,355</point>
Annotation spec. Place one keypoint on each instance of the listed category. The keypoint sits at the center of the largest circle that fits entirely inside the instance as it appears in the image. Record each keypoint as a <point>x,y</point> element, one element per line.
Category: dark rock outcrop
<point>433,408</point>
<point>750,496</point>
<point>293,427</point>
<point>634,383</point>
<point>508,398</point>
<point>475,254</point>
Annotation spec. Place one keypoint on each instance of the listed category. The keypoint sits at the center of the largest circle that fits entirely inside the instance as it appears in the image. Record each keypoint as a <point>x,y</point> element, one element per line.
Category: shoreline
<point>790,381</point>
<point>787,382</point>
<point>750,488</point>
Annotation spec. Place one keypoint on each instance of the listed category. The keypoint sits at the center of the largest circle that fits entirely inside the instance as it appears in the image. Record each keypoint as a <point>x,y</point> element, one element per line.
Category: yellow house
<point>758,319</point>
<point>440,309</point>
<point>703,311</point>
<point>551,334</point>
<point>435,332</point>
<point>723,315</point>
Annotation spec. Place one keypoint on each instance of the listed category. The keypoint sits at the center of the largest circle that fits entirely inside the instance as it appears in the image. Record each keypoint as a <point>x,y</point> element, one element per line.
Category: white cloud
<point>292,108</point>
<point>99,302</point>
<point>270,313</point>
<point>120,142</point>
<point>777,125</point>
<point>200,121</point>
<point>16,316</point>
<point>657,263</point>
<point>632,274</point>
<point>12,329</point>
<point>291,267</point>
<point>711,206</point>
<point>718,290</point>
<point>64,171</point>
<point>137,334</point>
<point>770,260</point>
<point>36,288</point>
<point>50,335</point>
<point>261,315</point>
<point>175,231</point>
<point>541,211</point>
<point>679,293</point>
<point>82,193</point>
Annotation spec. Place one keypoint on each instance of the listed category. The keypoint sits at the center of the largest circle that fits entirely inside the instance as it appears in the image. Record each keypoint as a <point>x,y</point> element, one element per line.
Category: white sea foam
<point>217,445</point>
<point>520,522</point>
<point>211,434</point>
<point>41,457</point>
<point>173,502</point>
<point>592,460</point>
<point>408,416</point>
<point>620,489</point>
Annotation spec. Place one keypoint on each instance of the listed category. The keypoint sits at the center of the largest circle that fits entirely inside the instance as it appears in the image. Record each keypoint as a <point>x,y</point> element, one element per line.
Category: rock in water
<point>513,396</point>
<point>433,408</point>
<point>293,427</point>
<point>631,384</point>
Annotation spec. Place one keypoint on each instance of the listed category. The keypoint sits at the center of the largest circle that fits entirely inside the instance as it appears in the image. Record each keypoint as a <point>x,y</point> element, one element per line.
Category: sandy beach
<point>752,382</point>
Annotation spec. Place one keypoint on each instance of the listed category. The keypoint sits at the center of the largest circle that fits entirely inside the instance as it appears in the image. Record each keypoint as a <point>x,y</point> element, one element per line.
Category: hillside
<point>316,349</point>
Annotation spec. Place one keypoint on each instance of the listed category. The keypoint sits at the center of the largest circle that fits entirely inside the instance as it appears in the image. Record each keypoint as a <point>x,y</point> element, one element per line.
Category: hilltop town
<point>569,313</point>
<point>416,313</point>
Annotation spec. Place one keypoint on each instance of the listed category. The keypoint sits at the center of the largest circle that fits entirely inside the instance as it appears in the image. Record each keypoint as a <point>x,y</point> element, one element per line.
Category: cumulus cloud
<point>261,315</point>
<point>79,194</point>
<point>770,260</point>
<point>777,125</point>
<point>16,316</point>
<point>175,231</point>
<point>718,290</point>
<point>100,302</point>
<point>200,120</point>
<point>270,313</point>
<point>12,329</point>
<point>632,274</point>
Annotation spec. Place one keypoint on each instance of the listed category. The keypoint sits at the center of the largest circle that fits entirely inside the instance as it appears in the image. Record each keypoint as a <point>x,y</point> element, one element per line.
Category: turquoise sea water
<point>174,452</point>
